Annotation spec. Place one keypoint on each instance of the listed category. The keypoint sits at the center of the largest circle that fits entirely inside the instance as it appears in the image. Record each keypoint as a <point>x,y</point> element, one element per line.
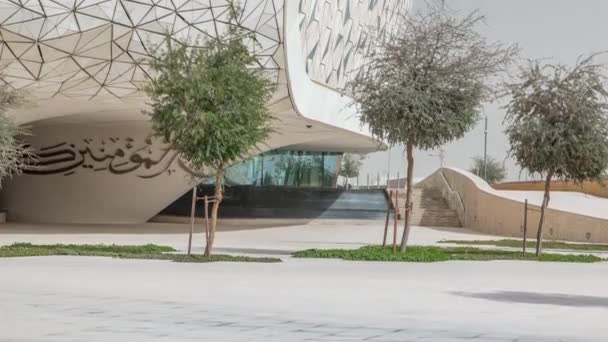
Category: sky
<point>557,30</point>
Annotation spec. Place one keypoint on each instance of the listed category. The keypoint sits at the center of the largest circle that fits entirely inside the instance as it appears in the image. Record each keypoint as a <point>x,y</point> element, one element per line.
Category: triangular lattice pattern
<point>336,34</point>
<point>90,48</point>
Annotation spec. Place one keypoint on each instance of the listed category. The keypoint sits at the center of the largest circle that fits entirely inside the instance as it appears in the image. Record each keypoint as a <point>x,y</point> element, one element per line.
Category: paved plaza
<point>238,236</point>
<point>103,299</point>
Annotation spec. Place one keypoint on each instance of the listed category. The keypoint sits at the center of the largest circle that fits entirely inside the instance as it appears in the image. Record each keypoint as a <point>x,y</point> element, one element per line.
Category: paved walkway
<point>101,299</point>
<point>234,235</point>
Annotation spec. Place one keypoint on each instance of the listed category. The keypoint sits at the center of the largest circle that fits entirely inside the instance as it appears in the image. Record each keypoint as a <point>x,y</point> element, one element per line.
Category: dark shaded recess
<point>286,202</point>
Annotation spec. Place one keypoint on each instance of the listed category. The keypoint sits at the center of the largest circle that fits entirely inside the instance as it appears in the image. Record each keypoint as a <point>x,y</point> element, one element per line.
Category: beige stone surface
<point>251,236</point>
<point>490,211</point>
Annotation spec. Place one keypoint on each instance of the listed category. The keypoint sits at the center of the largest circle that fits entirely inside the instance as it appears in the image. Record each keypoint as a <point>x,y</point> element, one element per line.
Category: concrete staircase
<point>430,209</point>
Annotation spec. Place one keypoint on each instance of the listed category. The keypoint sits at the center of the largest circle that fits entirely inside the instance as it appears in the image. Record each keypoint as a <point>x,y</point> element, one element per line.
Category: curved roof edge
<point>311,99</point>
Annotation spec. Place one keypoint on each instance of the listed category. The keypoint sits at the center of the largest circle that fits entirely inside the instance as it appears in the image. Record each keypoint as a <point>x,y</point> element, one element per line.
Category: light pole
<point>485,150</point>
<point>441,156</point>
<point>504,162</point>
<point>388,172</point>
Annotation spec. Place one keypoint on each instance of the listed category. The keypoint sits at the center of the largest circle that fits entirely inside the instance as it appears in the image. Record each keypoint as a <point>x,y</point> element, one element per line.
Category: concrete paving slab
<point>232,237</point>
<point>102,299</point>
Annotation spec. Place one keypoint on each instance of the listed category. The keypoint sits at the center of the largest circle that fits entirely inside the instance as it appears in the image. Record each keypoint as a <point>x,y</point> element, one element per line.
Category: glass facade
<point>286,168</point>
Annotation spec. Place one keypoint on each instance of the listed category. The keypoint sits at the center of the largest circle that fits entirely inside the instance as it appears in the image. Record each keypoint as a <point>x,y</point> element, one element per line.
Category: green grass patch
<point>198,258</point>
<point>149,252</point>
<point>28,249</point>
<point>531,244</point>
<point>436,254</point>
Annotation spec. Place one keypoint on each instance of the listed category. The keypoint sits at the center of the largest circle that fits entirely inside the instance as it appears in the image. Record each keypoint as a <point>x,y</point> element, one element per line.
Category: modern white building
<point>82,63</point>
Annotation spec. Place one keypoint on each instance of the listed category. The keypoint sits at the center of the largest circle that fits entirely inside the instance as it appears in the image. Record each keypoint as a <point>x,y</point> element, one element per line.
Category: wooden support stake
<point>206,220</point>
<point>192,218</point>
<point>525,224</point>
<point>396,219</point>
<point>388,215</point>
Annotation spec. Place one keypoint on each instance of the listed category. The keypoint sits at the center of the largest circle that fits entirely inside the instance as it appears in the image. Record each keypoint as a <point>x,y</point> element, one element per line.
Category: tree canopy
<point>209,103</point>
<point>14,155</point>
<point>557,123</point>
<point>557,120</point>
<point>350,166</point>
<point>425,86</point>
<point>492,173</point>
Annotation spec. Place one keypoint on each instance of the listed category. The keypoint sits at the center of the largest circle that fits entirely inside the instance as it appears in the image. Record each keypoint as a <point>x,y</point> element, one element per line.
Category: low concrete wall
<point>486,210</point>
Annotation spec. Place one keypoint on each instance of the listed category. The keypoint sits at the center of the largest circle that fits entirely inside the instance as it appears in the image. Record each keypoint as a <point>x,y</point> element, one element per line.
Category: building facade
<point>82,63</point>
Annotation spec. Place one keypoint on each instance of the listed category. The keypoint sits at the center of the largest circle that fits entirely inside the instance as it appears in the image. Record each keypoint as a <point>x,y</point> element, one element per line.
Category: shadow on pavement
<point>539,298</point>
<point>260,251</point>
<point>143,228</point>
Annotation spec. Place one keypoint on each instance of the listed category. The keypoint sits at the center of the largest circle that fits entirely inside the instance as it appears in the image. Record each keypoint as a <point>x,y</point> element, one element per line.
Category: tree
<point>424,87</point>
<point>350,167</point>
<point>493,172</point>
<point>557,124</point>
<point>209,104</point>
<point>14,155</point>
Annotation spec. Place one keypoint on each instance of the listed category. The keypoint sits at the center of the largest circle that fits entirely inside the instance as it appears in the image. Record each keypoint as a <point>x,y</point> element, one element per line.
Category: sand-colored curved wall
<point>484,209</point>
<point>591,188</point>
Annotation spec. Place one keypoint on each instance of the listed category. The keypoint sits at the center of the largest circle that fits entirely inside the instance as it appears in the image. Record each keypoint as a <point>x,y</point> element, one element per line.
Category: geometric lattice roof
<point>89,48</point>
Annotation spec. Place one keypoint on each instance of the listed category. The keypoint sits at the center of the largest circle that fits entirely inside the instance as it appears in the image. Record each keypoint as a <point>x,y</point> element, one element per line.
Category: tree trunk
<point>539,233</point>
<point>408,195</point>
<point>219,195</point>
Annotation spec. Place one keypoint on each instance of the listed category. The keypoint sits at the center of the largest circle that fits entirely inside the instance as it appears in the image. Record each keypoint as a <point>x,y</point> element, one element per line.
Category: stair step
<point>429,209</point>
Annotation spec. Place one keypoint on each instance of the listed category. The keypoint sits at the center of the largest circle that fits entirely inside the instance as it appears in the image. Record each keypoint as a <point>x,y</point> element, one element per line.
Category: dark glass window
<point>285,168</point>
<point>330,168</point>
